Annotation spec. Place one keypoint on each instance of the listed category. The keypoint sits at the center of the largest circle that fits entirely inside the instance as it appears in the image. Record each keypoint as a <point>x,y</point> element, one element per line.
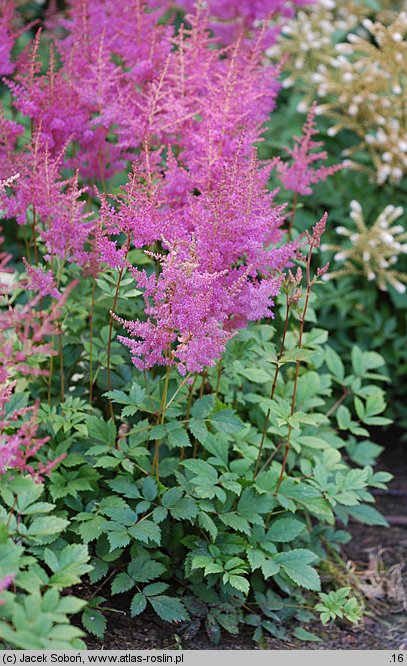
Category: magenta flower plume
<point>185,308</point>
<point>231,17</point>
<point>21,444</point>
<point>299,175</point>
<point>41,281</point>
<point>7,38</point>
<point>10,30</point>
<point>41,192</point>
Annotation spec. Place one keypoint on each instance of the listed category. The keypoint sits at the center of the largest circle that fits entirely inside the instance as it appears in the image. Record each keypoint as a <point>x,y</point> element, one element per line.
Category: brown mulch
<point>376,557</point>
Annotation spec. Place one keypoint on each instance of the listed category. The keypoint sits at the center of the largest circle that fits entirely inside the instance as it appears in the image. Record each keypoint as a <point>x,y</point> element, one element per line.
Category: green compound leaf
<point>168,608</point>
<point>296,564</point>
<point>94,621</point>
<point>285,529</point>
<point>138,604</point>
<point>146,531</point>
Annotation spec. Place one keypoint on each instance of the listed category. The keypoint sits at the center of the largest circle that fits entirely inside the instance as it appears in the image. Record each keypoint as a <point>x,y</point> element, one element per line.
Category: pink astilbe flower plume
<point>7,37</point>
<point>41,193</point>
<point>231,17</point>
<point>19,442</point>
<point>299,175</point>
<point>9,19</point>
<point>41,281</point>
<point>185,308</point>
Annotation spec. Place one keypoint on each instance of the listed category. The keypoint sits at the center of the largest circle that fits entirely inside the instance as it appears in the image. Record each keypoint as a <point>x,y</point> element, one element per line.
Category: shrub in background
<point>341,55</point>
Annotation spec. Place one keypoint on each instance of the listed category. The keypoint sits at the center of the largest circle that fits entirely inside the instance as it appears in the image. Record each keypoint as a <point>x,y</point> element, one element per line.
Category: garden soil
<point>377,560</point>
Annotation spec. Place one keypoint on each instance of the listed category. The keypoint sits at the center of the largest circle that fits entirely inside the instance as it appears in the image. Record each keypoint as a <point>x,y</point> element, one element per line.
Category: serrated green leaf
<point>122,583</point>
<point>285,529</point>
<point>198,429</point>
<point>226,421</point>
<point>238,582</point>
<point>91,529</point>
<point>146,531</point>
<point>304,635</point>
<point>124,486</point>
<point>367,515</point>
<point>149,488</point>
<point>47,526</point>
<point>334,363</point>
<point>94,622</point>
<point>67,565</point>
<point>168,608</point>
<point>296,564</point>
<point>143,571</point>
<point>236,522</point>
<point>154,588</point>
<point>117,535</point>
<point>203,406</point>
<point>208,525</point>
<point>102,431</point>
<point>138,604</point>
<point>256,558</point>
<point>99,570</point>
<point>343,417</point>
<point>256,375</point>
<point>178,437</point>
<point>270,568</point>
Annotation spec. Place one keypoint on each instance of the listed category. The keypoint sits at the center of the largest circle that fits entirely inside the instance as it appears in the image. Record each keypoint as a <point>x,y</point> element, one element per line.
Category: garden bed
<point>383,627</point>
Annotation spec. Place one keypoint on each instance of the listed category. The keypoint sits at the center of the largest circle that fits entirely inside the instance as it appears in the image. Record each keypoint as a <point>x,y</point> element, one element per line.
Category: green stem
<point>109,343</point>
<point>61,365</point>
<point>92,309</point>
<point>189,403</point>
<point>51,369</point>
<point>273,389</point>
<point>219,374</point>
<point>292,216</point>
<point>178,389</point>
<point>297,366</point>
<point>161,419</point>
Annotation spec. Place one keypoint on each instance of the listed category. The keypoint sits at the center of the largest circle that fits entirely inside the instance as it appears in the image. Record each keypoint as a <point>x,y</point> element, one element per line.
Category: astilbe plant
<point>7,37</point>
<point>24,330</point>
<point>211,107</point>
<point>10,30</point>
<point>301,172</point>
<point>221,270</point>
<point>198,231</point>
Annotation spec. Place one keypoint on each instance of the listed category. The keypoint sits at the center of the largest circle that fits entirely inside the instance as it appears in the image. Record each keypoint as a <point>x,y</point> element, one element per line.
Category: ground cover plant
<point>179,425</point>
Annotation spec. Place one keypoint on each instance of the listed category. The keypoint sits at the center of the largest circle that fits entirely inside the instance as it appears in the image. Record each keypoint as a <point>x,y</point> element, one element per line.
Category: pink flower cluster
<point>221,266</point>
<point>6,37</point>
<point>122,87</point>
<point>22,444</point>
<point>299,175</point>
<point>24,331</point>
<point>9,32</point>
<point>229,18</point>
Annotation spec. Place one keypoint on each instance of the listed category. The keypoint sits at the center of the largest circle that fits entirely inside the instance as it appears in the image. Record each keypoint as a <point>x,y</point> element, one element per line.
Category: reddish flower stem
<point>297,365</point>
<point>109,343</point>
<point>273,389</point>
